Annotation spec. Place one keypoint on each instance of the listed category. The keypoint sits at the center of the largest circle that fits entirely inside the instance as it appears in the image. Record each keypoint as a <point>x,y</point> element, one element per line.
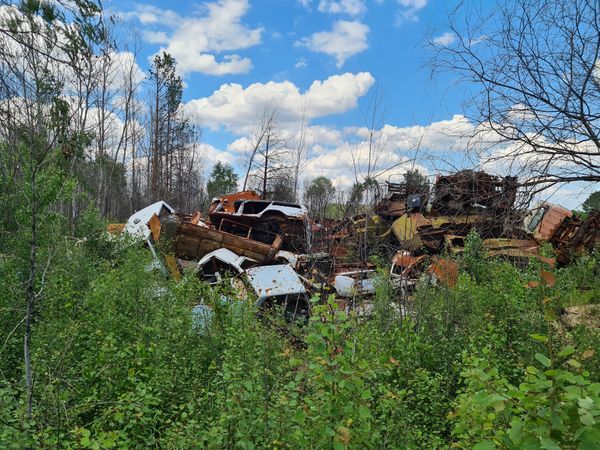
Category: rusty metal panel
<point>516,248</point>
<point>446,271</point>
<point>391,208</point>
<point>294,230</point>
<point>405,228</point>
<point>154,225</point>
<point>191,241</point>
<point>172,267</point>
<point>404,263</point>
<point>115,228</point>
<point>551,221</point>
<point>228,201</point>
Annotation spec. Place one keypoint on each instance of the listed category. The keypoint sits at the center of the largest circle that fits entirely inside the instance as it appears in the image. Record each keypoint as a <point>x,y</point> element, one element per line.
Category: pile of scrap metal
<point>458,203</point>
<point>274,253</point>
<point>427,224</point>
<point>249,243</point>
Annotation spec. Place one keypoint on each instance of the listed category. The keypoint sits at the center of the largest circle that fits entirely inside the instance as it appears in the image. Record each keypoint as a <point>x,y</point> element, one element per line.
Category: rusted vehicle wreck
<point>276,254</point>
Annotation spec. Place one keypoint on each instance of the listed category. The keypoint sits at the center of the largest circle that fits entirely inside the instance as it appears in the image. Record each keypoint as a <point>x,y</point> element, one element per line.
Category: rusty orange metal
<point>171,263</point>
<point>405,262</point>
<point>228,201</point>
<point>446,271</point>
<point>551,221</point>
<point>516,248</point>
<point>115,228</point>
<point>196,217</point>
<point>189,241</point>
<point>155,226</point>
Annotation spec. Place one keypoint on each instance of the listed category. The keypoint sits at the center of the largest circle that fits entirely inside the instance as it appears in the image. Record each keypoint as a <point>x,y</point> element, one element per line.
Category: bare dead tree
<point>299,153</point>
<point>269,156</point>
<point>533,65</point>
<point>256,140</point>
<point>371,160</point>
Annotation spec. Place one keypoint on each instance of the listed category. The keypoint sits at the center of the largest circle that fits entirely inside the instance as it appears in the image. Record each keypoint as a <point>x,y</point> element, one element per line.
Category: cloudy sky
<point>326,61</point>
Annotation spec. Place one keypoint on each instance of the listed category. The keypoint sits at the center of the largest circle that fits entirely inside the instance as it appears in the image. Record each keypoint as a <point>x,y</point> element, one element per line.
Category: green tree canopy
<point>415,179</point>
<point>318,196</point>
<point>282,189</point>
<point>592,202</point>
<point>222,180</point>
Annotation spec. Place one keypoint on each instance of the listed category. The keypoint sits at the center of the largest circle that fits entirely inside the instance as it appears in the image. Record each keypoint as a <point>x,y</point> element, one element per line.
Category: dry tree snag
<point>533,68</point>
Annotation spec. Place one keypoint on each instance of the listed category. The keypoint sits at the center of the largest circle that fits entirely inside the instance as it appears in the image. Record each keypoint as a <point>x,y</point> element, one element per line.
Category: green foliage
<point>336,383</point>
<point>555,405</point>
<point>318,196</point>
<point>222,180</point>
<point>281,189</point>
<point>416,181</point>
<point>119,364</point>
<point>592,202</point>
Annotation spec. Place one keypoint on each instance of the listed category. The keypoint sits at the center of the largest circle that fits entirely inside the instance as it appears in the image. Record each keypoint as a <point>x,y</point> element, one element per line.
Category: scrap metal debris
<point>275,253</point>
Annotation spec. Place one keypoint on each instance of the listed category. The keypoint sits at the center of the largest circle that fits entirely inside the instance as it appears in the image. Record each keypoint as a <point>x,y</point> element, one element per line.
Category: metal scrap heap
<point>274,253</point>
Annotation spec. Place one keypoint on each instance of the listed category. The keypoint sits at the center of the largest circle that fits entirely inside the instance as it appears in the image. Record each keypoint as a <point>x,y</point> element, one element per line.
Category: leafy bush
<point>118,362</point>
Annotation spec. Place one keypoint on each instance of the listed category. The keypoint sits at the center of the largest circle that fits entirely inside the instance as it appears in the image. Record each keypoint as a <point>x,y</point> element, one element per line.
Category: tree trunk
<point>30,297</point>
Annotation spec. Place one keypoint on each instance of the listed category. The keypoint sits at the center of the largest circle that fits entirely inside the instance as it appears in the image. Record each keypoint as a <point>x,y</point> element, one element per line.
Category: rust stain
<point>155,227</point>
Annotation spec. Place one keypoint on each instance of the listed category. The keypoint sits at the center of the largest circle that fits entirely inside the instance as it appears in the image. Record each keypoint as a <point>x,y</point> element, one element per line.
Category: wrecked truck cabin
<point>276,286</point>
<point>567,233</point>
<point>192,242</point>
<point>138,225</point>
<point>289,220</point>
<point>222,263</point>
<point>229,202</point>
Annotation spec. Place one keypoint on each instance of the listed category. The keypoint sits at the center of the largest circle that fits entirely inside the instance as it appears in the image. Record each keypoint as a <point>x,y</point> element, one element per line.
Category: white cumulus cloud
<point>346,39</point>
<point>410,9</point>
<point>350,7</point>
<point>236,108</point>
<point>202,42</point>
<point>445,39</point>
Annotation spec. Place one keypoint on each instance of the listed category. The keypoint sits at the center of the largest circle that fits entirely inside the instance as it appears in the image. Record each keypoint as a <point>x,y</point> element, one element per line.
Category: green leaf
<point>574,363</point>
<point>515,432</point>
<point>485,445</point>
<point>568,350</point>
<point>299,416</point>
<point>587,419</point>
<point>364,412</point>
<point>549,444</point>
<point>551,315</point>
<point>589,439</point>
<point>586,403</point>
<point>543,359</point>
<point>539,337</point>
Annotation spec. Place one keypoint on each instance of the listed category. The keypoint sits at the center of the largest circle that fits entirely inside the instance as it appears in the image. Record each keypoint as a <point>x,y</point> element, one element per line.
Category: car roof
<point>271,281</point>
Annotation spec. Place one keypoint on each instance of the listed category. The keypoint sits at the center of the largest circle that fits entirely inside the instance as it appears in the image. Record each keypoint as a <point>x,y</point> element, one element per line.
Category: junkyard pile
<point>276,254</point>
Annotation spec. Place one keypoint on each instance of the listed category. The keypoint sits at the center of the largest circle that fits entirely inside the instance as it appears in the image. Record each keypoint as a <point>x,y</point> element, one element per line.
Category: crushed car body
<point>277,286</point>
<point>189,241</point>
<point>218,264</point>
<point>289,220</point>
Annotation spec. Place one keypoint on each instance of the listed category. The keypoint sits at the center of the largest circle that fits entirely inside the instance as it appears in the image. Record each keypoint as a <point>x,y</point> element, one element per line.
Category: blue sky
<point>328,58</point>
